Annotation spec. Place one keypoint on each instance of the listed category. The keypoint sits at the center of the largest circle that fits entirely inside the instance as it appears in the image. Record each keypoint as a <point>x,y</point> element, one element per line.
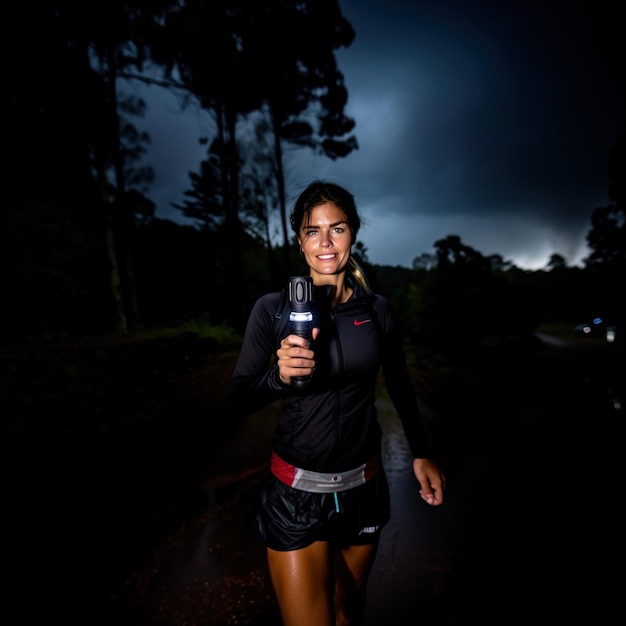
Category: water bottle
<point>301,315</point>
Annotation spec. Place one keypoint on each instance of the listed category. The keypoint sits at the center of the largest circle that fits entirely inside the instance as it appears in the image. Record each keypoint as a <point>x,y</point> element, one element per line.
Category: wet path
<point>524,532</point>
<point>119,528</point>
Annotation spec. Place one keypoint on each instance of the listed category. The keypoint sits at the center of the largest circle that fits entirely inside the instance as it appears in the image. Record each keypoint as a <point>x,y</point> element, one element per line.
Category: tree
<point>242,57</point>
<point>499,263</point>
<point>204,200</point>
<point>466,297</point>
<point>203,49</point>
<point>451,251</point>
<point>53,127</point>
<point>65,100</point>
<point>292,64</point>
<point>118,35</point>
<point>556,262</point>
<point>425,261</point>
<point>607,236</point>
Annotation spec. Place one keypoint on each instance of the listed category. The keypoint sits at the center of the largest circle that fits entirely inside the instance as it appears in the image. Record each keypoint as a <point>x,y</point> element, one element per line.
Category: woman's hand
<point>295,357</point>
<point>431,479</point>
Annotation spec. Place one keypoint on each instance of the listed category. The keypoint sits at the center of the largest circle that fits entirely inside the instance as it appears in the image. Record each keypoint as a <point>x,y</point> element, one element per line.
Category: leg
<point>303,585</point>
<point>352,568</point>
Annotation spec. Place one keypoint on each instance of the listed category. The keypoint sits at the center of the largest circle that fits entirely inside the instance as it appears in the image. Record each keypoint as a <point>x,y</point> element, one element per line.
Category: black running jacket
<point>331,424</point>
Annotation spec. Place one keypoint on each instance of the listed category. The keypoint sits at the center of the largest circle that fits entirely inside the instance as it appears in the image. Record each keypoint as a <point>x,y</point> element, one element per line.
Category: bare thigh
<point>303,584</point>
<point>352,569</point>
<point>313,585</point>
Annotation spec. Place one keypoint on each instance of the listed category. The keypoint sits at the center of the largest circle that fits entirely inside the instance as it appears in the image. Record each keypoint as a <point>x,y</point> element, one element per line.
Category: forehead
<point>325,214</point>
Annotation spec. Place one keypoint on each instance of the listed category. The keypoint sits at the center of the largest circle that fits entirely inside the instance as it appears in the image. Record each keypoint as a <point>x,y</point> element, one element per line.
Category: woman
<point>325,500</point>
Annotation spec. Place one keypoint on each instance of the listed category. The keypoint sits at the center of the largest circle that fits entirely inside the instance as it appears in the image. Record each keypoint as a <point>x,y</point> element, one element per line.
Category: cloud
<point>528,243</point>
<point>491,121</point>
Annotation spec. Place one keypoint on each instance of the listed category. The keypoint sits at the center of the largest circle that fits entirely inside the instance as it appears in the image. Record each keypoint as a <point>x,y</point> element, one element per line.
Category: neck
<point>340,290</point>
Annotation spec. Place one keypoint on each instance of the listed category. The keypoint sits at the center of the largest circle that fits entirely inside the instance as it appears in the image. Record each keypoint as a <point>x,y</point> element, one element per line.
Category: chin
<point>330,270</point>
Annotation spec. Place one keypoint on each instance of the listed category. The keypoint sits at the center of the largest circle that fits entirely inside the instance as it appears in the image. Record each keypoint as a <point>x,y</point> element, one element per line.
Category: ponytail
<point>358,274</point>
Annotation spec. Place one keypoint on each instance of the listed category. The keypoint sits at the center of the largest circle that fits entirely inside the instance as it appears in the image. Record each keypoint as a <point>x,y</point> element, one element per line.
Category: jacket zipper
<point>337,389</point>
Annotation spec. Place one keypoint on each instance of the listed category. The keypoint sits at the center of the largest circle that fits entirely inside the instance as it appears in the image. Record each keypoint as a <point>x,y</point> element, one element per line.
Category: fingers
<point>432,488</point>
<point>432,493</point>
<point>432,496</point>
<point>432,481</point>
<point>295,358</point>
<point>295,341</point>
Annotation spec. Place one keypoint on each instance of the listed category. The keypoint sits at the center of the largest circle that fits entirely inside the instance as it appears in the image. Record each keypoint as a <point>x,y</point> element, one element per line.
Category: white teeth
<point>326,256</point>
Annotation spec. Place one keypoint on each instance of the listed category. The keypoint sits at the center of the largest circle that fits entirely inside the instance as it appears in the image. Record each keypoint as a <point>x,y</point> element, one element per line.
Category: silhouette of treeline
<point>82,250</point>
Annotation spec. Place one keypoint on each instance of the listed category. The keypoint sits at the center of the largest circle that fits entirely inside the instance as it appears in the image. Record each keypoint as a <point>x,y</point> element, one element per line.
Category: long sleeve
<point>400,387</point>
<point>255,382</point>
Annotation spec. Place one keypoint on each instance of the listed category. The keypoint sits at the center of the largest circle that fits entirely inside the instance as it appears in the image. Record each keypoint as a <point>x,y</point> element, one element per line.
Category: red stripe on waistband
<point>286,473</point>
<point>371,467</point>
<point>282,470</point>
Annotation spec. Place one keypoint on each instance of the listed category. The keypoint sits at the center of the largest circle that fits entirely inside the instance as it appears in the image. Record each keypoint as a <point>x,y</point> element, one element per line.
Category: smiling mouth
<point>326,257</point>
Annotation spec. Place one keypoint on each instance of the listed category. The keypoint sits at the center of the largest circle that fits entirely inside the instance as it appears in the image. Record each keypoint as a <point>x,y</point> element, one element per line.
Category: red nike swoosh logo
<point>358,323</point>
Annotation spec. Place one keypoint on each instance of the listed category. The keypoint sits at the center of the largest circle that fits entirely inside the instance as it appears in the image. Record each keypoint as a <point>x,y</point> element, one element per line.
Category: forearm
<point>403,396</point>
<point>252,393</point>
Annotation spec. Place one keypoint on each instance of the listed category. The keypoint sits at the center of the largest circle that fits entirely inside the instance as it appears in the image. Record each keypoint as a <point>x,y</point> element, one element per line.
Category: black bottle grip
<point>301,315</point>
<point>300,293</point>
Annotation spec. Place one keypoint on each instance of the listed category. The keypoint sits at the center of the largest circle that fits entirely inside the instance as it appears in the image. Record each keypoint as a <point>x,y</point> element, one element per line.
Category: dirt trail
<point>130,492</point>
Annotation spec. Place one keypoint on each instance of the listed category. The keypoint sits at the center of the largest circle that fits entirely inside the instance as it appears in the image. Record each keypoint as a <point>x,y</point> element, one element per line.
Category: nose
<point>326,242</point>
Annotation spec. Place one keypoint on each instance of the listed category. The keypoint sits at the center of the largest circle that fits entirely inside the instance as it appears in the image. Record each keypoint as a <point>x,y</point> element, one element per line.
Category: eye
<point>310,232</point>
<point>339,230</point>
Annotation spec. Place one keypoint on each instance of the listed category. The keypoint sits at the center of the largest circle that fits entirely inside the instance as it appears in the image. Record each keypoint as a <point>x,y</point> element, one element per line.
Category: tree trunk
<point>121,219</point>
<point>280,182</point>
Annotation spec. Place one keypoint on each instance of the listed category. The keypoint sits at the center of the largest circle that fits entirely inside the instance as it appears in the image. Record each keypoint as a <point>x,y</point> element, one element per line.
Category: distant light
<point>610,335</point>
<point>586,329</point>
<point>597,320</point>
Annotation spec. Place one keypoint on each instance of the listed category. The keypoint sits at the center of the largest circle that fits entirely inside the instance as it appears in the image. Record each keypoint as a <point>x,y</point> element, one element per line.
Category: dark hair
<point>319,192</point>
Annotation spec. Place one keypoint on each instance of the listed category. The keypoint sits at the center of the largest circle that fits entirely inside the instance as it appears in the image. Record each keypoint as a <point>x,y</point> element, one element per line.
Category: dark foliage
<point>79,239</point>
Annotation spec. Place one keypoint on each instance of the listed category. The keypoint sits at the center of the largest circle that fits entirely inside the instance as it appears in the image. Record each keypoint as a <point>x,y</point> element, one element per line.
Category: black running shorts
<point>290,519</point>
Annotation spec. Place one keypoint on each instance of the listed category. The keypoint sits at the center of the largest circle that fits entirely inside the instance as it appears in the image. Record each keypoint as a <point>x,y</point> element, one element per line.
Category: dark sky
<point>490,120</point>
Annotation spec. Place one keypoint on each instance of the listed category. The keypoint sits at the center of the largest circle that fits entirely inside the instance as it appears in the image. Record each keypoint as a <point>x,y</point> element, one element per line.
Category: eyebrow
<point>313,226</point>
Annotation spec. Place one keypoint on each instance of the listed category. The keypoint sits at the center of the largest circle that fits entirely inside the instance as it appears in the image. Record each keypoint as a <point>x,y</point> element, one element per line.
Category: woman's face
<point>326,240</point>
